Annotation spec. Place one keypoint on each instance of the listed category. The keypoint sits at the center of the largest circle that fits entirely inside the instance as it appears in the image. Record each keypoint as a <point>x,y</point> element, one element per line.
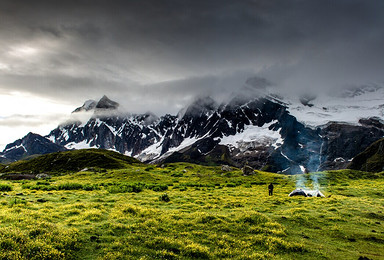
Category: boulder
<point>43,176</point>
<point>248,170</point>
<point>18,176</point>
<point>226,168</point>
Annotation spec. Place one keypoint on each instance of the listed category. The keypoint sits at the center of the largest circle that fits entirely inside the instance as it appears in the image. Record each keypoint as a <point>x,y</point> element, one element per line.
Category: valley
<point>189,211</point>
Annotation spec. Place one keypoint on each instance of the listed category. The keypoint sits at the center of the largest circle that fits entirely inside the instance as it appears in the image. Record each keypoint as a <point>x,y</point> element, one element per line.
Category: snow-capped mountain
<point>256,126</point>
<point>29,145</point>
<point>88,105</point>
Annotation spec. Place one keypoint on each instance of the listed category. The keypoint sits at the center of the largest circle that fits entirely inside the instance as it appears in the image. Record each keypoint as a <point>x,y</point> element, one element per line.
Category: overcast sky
<point>157,55</point>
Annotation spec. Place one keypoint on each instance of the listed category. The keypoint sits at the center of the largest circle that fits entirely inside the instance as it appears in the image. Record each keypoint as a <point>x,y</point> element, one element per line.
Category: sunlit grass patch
<point>44,241</point>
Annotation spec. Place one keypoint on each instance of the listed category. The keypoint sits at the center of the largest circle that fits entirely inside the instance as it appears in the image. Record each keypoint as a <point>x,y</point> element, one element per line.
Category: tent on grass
<point>306,193</point>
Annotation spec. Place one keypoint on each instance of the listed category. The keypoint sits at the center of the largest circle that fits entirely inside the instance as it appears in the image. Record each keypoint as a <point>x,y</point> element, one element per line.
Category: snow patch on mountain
<point>151,152</point>
<point>349,110</point>
<point>184,144</point>
<point>113,130</point>
<point>51,138</point>
<point>346,105</point>
<point>255,134</point>
<point>15,147</point>
<point>78,146</point>
<point>154,151</point>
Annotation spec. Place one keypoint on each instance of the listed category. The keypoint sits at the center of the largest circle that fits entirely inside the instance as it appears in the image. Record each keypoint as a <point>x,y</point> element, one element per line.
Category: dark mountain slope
<point>371,159</point>
<point>31,144</point>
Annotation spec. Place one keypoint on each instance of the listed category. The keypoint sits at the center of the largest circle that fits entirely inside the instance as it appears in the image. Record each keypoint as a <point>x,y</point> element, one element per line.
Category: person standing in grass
<point>270,189</point>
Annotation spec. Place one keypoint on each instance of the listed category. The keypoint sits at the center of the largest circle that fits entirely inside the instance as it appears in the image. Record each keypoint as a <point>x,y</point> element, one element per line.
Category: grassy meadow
<point>187,211</point>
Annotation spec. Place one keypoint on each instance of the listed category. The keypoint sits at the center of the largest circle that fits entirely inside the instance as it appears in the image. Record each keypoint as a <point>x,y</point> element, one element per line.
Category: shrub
<point>164,197</point>
<point>5,187</point>
<point>198,185</point>
<point>126,187</point>
<point>38,187</point>
<point>130,210</point>
<point>157,187</point>
<point>65,186</point>
<point>258,183</point>
<point>90,187</point>
<point>43,183</point>
<point>70,186</point>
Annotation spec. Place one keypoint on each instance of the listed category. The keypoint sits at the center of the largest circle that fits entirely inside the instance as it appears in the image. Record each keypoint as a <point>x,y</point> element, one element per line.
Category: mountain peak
<point>106,103</point>
<point>200,106</point>
<point>30,144</point>
<point>88,105</point>
<point>103,103</point>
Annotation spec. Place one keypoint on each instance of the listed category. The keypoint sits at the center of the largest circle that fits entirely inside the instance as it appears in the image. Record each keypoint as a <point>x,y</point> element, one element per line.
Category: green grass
<point>186,211</point>
<point>5,187</point>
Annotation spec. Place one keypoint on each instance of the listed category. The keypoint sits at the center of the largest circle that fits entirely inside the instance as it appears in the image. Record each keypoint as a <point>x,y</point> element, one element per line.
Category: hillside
<point>187,211</point>
<point>72,161</point>
<point>371,159</point>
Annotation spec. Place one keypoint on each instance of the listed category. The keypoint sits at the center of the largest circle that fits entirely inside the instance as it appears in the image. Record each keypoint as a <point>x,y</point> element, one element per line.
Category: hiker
<point>270,189</point>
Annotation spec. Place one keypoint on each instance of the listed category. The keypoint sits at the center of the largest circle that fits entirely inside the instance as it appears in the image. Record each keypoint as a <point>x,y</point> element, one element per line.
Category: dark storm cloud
<point>83,49</point>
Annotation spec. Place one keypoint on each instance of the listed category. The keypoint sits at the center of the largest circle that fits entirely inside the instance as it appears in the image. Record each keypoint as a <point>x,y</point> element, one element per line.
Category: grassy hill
<point>371,159</point>
<point>188,211</point>
<point>71,161</point>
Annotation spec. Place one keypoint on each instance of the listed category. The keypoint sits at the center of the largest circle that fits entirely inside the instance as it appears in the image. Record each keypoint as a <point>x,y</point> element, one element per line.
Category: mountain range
<point>256,126</point>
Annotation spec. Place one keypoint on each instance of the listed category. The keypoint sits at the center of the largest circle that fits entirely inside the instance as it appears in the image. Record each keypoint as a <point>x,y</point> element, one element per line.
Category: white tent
<point>306,193</point>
